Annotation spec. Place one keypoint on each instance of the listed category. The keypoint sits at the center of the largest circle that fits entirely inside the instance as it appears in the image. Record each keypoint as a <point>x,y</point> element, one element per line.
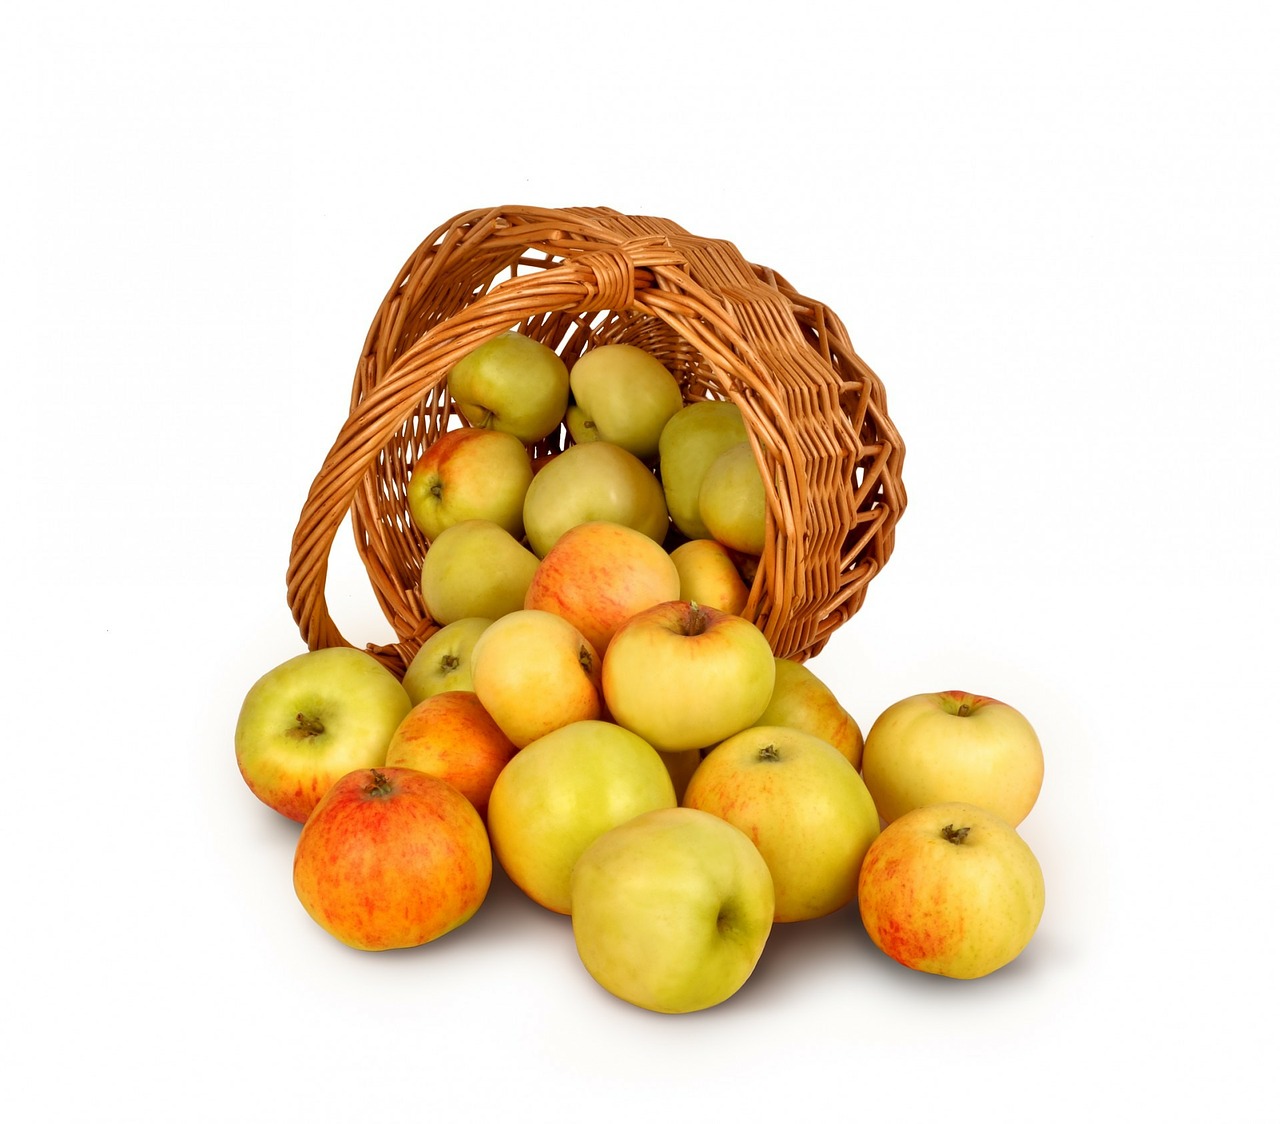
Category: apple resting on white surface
<point>804,702</point>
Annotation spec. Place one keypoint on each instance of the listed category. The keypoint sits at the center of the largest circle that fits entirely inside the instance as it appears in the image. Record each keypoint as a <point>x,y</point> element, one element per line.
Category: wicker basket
<point>815,413</point>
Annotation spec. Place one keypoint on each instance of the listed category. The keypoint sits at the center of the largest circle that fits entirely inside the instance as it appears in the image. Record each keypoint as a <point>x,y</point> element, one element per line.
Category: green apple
<point>690,441</point>
<point>731,501</point>
<point>511,383</point>
<point>623,395</point>
<point>671,910</point>
<point>475,569</point>
<point>951,889</point>
<point>804,702</point>
<point>599,482</point>
<point>560,792</point>
<point>803,805</point>
<point>947,746</point>
<point>311,720</point>
<point>470,474</point>
<point>709,575</point>
<point>443,663</point>
<point>684,676</point>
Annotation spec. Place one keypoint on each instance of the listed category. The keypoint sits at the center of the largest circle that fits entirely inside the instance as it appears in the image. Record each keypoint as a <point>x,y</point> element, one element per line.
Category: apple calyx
<point>586,659</point>
<point>955,835</point>
<point>307,727</point>
<point>380,784</point>
<point>769,753</point>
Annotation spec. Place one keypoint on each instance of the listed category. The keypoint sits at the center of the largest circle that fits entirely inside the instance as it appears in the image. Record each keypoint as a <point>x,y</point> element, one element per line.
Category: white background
<point>1051,229</point>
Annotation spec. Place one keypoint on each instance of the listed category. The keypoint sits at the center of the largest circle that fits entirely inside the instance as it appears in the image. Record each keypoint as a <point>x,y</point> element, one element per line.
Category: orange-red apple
<point>470,474</point>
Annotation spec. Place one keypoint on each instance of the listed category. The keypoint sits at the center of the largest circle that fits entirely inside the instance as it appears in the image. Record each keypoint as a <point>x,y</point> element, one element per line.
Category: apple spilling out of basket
<point>596,711</point>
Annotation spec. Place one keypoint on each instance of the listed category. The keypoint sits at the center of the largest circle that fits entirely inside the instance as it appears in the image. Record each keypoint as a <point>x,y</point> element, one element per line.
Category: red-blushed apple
<point>587,483</point>
<point>709,576</point>
<point>453,737</point>
<point>534,672</point>
<point>475,569</point>
<point>690,441</point>
<point>470,474</point>
<point>392,858</point>
<point>511,383</point>
<point>950,746</point>
<point>623,395</point>
<point>562,791</point>
<point>443,663</point>
<point>598,575</point>
<point>312,719</point>
<point>671,910</point>
<point>731,501</point>
<point>951,889</point>
<point>802,804</point>
<point>685,676</point>
<point>804,702</point>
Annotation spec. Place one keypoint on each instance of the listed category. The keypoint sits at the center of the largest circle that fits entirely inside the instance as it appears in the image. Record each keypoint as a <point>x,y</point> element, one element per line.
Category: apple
<point>684,676</point>
<point>443,663</point>
<point>475,569</point>
<point>802,804</point>
<point>470,474</point>
<point>589,483</point>
<point>311,720</point>
<point>690,441</point>
<point>804,702</point>
<point>952,746</point>
<point>534,672</point>
<point>671,910</point>
<point>513,384</point>
<point>392,858</point>
<point>598,575</point>
<point>563,790</point>
<point>623,395</point>
<point>453,737</point>
<point>731,501</point>
<point>709,576</point>
<point>951,889</point>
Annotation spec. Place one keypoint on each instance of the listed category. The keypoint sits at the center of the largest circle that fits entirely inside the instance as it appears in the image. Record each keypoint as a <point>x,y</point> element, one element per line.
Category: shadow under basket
<point>574,278</point>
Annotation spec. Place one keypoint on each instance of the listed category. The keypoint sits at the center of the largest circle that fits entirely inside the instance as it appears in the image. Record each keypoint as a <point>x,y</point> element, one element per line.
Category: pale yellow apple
<point>623,395</point>
<point>731,501</point>
<point>684,676</point>
<point>950,746</point>
<point>475,569</point>
<point>470,474</point>
<point>562,791</point>
<point>511,383</point>
<point>709,577</point>
<point>694,437</point>
<point>535,672</point>
<point>671,910</point>
<point>443,663</point>
<point>951,889</point>
<point>803,805</point>
<point>804,702</point>
<point>599,575</point>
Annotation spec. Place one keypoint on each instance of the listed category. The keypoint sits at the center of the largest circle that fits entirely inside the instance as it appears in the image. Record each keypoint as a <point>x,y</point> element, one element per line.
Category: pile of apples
<point>595,713</point>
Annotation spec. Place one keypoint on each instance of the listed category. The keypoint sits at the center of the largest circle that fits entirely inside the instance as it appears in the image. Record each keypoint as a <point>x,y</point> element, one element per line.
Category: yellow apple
<point>443,663</point>
<point>693,438</point>
<point>804,702</point>
<point>671,910</point>
<point>951,889</point>
<point>802,804</point>
<point>562,791</point>
<point>731,501</point>
<point>475,569</point>
<point>470,474</point>
<point>513,384</point>
<point>599,575</point>
<point>950,746</point>
<point>709,577</point>
<point>623,395</point>
<point>684,676</point>
<point>535,672</point>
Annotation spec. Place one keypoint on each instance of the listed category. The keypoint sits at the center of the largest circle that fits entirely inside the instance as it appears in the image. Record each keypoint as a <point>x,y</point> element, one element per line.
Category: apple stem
<point>696,623</point>
<point>380,784</point>
<point>307,727</point>
<point>963,710</point>
<point>953,834</point>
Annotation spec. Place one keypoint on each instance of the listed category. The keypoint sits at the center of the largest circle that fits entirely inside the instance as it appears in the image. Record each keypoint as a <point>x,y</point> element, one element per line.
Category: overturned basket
<point>815,413</point>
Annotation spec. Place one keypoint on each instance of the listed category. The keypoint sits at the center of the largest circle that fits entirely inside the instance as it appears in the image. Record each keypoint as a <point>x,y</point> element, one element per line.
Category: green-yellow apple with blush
<point>392,858</point>
<point>590,483</point>
<point>951,889</point>
<point>709,576</point>
<point>671,910</point>
<point>731,501</point>
<point>475,569</point>
<point>950,746</point>
<point>623,395</point>
<point>804,702</point>
<point>690,442</point>
<point>598,575</point>
<point>443,663</point>
<point>534,672</point>
<point>802,804</point>
<point>684,676</point>
<point>312,719</point>
<point>511,383</point>
<point>562,791</point>
<point>470,474</point>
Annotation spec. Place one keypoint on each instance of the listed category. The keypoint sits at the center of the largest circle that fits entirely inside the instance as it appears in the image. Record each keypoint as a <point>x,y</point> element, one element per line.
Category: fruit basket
<point>815,413</point>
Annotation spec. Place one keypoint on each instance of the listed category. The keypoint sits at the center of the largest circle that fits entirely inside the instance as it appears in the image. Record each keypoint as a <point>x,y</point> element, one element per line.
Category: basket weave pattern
<point>574,278</point>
